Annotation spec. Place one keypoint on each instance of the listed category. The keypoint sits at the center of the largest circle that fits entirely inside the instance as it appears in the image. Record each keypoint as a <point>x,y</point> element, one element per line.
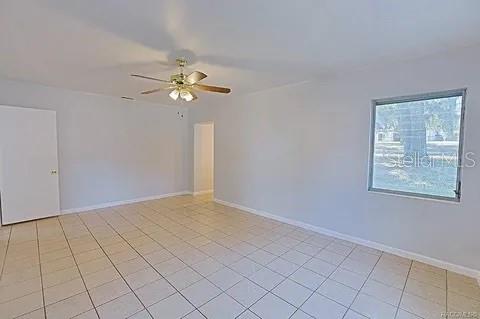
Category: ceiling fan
<point>183,85</point>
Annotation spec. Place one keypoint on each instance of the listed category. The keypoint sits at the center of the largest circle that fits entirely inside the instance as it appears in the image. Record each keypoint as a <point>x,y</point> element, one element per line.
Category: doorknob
<point>53,172</point>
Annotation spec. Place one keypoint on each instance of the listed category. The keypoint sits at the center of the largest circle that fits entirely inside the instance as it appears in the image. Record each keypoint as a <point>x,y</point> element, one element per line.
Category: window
<point>416,145</point>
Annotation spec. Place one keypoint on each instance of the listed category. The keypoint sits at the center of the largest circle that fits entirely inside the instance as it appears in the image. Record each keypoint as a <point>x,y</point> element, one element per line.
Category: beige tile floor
<point>186,257</point>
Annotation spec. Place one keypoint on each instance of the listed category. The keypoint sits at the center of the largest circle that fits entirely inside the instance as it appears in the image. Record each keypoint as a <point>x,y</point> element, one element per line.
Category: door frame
<point>195,151</point>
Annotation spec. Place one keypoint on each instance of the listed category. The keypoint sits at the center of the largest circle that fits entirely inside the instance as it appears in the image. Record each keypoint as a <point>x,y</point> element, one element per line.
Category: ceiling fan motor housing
<point>178,78</point>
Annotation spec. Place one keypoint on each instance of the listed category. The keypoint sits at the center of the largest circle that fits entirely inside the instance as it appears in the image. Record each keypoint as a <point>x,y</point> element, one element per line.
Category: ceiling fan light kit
<point>174,94</point>
<point>184,85</point>
<point>186,95</point>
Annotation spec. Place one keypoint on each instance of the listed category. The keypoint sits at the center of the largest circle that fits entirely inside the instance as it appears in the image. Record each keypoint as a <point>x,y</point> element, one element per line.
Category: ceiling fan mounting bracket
<point>181,62</point>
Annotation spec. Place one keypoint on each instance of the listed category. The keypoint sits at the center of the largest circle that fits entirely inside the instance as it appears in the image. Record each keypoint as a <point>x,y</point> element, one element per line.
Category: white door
<point>28,164</point>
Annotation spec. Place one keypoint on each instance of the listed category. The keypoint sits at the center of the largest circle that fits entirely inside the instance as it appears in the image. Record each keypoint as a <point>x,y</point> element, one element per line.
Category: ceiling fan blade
<point>152,91</point>
<point>157,90</point>
<point>210,88</point>
<point>195,77</point>
<point>149,78</point>
<point>194,95</point>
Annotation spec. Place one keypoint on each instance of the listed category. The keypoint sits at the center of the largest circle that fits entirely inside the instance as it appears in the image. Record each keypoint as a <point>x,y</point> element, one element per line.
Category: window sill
<point>439,199</point>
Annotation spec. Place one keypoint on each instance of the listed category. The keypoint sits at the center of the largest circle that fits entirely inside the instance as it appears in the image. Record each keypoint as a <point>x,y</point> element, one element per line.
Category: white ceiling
<point>93,46</point>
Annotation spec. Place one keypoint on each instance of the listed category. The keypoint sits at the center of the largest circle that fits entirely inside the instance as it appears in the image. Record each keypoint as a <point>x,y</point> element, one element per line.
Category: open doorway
<point>203,167</point>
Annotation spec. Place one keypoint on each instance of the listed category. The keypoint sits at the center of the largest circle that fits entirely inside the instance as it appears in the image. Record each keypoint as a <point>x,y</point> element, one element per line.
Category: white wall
<point>301,152</point>
<point>109,149</point>
<point>203,157</point>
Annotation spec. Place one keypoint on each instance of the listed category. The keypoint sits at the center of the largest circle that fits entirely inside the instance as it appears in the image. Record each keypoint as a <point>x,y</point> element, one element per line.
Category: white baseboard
<point>122,202</point>
<point>209,191</point>
<point>399,252</point>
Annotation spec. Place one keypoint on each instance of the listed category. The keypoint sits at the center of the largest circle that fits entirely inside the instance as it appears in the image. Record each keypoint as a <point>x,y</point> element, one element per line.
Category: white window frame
<point>413,98</point>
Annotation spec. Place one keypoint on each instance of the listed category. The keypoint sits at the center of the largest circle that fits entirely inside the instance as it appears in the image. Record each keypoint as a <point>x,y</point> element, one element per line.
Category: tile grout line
<point>301,266</point>
<point>31,293</point>
<point>164,278</point>
<point>293,248</point>
<point>270,291</point>
<point>244,277</point>
<point>6,252</point>
<point>175,256</point>
<point>78,269</point>
<point>334,239</point>
<point>429,284</point>
<point>288,277</point>
<point>119,213</point>
<point>189,216</point>
<point>285,278</point>
<point>359,290</point>
<point>41,275</point>
<point>154,210</point>
<point>398,306</point>
<point>209,256</point>
<point>327,277</point>
<point>113,264</point>
<point>276,255</point>
<point>403,290</point>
